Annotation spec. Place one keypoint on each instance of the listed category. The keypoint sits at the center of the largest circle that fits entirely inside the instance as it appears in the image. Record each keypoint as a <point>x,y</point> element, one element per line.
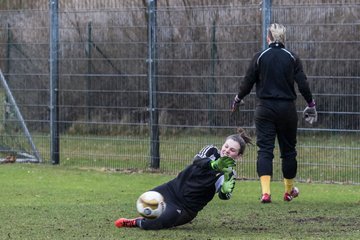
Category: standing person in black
<point>210,173</point>
<point>274,71</point>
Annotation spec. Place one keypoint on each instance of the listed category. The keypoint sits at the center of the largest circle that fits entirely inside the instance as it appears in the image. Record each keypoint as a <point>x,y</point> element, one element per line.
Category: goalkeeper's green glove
<point>222,163</point>
<point>227,173</point>
<point>228,186</point>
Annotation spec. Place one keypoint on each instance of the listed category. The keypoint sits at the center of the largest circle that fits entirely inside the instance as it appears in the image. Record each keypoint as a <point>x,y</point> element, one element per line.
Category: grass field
<point>54,202</point>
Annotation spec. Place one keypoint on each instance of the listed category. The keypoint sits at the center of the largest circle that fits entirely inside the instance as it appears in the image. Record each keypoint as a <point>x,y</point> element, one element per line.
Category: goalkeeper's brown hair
<point>242,138</point>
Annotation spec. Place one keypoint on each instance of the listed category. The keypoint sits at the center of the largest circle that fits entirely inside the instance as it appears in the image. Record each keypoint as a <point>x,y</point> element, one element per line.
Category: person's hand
<point>223,163</point>
<point>228,186</point>
<point>237,102</point>
<point>310,114</point>
<point>227,173</point>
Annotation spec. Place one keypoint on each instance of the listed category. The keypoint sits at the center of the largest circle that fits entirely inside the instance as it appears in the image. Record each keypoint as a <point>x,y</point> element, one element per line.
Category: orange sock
<point>265,184</point>
<point>289,184</point>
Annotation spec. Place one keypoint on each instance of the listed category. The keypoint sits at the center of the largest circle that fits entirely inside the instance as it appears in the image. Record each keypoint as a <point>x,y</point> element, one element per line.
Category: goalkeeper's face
<point>231,149</point>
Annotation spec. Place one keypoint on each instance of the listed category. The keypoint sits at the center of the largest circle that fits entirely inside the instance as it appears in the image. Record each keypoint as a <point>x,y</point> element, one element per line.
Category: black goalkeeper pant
<point>276,118</point>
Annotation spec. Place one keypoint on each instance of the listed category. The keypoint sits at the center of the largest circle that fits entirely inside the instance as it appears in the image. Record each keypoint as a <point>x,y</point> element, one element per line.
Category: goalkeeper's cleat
<point>265,198</point>
<point>124,222</point>
<point>293,194</point>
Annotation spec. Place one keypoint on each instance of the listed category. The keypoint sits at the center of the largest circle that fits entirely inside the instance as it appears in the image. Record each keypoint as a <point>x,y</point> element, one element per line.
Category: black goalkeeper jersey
<point>196,185</point>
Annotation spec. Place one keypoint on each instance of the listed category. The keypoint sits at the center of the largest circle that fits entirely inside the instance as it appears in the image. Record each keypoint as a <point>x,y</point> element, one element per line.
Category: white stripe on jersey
<point>289,53</point>
<point>202,153</point>
<point>257,61</point>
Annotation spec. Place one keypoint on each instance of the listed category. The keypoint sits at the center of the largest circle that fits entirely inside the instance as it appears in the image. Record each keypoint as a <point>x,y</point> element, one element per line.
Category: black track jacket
<point>274,71</point>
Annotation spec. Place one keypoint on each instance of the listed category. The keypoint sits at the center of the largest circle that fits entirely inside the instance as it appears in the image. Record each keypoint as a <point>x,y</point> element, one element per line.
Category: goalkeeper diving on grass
<point>211,173</point>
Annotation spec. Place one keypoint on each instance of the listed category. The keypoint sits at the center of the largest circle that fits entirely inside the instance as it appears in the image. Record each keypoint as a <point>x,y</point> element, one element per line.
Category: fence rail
<point>128,97</point>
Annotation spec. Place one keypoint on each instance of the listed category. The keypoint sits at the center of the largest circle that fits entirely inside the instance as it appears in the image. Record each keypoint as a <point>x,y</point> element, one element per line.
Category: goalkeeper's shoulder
<point>209,151</point>
<point>205,156</point>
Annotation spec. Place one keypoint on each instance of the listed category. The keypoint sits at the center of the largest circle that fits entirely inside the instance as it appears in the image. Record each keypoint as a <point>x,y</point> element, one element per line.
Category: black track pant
<point>276,118</point>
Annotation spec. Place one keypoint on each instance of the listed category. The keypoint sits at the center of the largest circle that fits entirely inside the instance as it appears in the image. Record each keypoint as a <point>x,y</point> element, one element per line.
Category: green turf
<point>54,202</point>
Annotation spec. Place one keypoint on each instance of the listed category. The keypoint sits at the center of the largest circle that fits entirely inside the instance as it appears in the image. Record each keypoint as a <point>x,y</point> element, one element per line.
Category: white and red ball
<point>150,204</point>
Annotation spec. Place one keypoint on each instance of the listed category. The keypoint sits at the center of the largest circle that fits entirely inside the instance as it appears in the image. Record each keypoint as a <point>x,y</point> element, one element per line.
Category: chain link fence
<point>110,87</point>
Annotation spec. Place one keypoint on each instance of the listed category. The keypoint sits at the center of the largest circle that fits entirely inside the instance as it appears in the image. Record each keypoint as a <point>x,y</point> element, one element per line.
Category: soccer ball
<point>150,204</point>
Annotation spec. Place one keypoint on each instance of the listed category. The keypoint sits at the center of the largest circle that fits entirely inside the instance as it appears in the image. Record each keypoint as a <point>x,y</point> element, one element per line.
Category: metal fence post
<point>266,18</point>
<point>7,71</point>
<point>54,79</point>
<point>152,69</point>
<point>88,78</point>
